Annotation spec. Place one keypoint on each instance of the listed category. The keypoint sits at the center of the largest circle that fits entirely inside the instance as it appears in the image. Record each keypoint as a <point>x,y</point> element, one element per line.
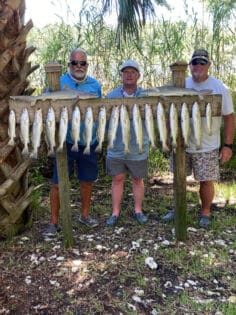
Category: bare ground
<point>107,270</point>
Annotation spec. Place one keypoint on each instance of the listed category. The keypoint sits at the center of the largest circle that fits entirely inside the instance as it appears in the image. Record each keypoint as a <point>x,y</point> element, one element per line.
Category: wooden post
<point>53,71</point>
<point>178,77</point>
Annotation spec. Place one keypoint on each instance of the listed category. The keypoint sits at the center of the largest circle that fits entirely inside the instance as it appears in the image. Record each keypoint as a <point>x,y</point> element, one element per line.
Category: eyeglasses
<point>77,62</point>
<point>199,62</point>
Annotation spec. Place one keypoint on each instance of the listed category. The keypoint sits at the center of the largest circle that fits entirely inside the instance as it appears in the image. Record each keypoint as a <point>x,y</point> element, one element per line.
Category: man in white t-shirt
<point>204,162</point>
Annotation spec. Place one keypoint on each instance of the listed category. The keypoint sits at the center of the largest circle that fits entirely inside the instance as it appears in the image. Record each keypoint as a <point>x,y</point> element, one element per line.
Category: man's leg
<point>117,189</point>
<point>206,192</point>
<point>85,195</point>
<point>138,192</point>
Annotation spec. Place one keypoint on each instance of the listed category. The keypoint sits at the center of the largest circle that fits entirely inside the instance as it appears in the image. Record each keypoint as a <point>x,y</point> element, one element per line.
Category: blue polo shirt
<point>89,85</point>
<point>118,149</point>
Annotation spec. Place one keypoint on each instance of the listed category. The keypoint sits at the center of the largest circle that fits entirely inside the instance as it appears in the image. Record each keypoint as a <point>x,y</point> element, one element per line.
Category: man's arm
<point>229,126</point>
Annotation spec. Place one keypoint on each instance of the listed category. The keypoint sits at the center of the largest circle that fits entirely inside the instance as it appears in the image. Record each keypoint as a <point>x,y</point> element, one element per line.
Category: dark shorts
<point>86,165</point>
<point>137,169</point>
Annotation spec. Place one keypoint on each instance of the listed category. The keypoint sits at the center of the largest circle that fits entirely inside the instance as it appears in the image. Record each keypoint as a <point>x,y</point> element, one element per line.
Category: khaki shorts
<point>204,165</point>
<point>137,169</point>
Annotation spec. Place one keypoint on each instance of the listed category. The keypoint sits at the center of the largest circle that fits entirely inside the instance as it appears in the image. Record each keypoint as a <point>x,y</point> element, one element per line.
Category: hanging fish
<point>63,125</point>
<point>161,125</point>
<point>209,119</point>
<point>173,125</point>
<point>88,129</point>
<point>196,118</point>
<point>113,125</point>
<point>185,124</point>
<point>36,132</point>
<point>75,128</point>
<point>101,128</point>
<point>125,128</point>
<point>50,131</point>
<point>24,131</point>
<point>11,127</point>
<point>149,124</point>
<point>138,127</point>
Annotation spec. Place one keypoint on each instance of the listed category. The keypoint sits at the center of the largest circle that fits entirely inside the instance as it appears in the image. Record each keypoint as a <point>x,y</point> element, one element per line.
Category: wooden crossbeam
<point>18,103</point>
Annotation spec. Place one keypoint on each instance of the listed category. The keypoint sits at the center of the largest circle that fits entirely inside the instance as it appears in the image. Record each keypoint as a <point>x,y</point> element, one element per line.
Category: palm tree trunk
<point>15,191</point>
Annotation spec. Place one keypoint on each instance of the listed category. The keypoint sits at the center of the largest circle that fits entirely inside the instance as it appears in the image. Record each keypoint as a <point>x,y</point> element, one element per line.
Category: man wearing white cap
<point>118,162</point>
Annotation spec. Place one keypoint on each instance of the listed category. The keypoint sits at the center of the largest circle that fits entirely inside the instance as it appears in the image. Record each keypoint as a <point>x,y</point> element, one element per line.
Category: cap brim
<point>122,69</point>
<point>200,57</point>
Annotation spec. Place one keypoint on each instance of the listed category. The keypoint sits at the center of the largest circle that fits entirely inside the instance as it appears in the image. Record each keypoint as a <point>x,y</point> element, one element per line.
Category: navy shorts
<point>86,164</point>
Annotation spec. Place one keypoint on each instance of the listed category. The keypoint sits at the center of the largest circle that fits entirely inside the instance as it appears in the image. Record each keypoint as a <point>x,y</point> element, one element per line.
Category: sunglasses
<point>77,62</point>
<point>199,62</point>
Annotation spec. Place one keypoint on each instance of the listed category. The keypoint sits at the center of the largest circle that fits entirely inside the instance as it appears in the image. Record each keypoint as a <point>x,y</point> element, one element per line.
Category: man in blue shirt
<point>87,165</point>
<point>135,163</point>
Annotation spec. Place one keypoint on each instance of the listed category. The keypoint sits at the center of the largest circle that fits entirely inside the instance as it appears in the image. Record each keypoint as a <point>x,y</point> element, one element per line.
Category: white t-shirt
<point>209,143</point>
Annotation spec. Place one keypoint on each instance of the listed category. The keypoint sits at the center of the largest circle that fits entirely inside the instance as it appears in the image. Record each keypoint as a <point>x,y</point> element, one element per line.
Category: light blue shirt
<point>118,149</point>
<point>89,85</point>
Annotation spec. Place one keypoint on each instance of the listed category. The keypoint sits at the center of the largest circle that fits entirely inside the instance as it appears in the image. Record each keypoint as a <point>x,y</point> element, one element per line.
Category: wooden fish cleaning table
<point>178,69</point>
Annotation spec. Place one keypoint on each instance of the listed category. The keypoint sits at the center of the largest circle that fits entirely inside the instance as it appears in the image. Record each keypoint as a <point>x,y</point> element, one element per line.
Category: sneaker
<point>112,220</point>
<point>204,221</point>
<point>169,216</point>
<point>88,221</point>
<point>51,230</point>
<point>140,217</point>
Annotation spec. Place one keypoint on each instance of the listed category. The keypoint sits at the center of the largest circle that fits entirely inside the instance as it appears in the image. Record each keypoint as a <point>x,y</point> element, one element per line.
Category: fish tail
<point>60,148</point>
<point>25,151</point>
<point>75,148</point>
<point>34,155</point>
<point>98,148</point>
<point>87,150</point>
<point>11,142</point>
<point>51,153</point>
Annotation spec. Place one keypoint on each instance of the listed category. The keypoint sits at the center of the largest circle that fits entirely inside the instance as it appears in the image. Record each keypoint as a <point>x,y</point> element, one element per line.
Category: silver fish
<point>113,125</point>
<point>50,131</point>
<point>209,119</point>
<point>173,125</point>
<point>163,91</point>
<point>63,125</point>
<point>125,127</point>
<point>196,119</point>
<point>101,128</point>
<point>185,124</point>
<point>58,95</point>
<point>11,127</point>
<point>149,124</point>
<point>75,128</point>
<point>24,131</point>
<point>36,132</point>
<point>88,129</point>
<point>162,128</point>
<point>138,127</point>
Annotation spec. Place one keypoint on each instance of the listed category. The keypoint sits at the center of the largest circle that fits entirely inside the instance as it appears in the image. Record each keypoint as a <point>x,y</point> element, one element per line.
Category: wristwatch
<point>228,146</point>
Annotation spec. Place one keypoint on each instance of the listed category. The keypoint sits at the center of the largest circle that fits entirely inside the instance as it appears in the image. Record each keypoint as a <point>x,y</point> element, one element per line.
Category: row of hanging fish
<point>161,123</point>
<point>118,114</point>
<point>50,130</point>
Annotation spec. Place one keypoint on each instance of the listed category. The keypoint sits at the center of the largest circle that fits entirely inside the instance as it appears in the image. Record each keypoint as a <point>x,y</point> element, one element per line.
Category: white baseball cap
<point>130,63</point>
